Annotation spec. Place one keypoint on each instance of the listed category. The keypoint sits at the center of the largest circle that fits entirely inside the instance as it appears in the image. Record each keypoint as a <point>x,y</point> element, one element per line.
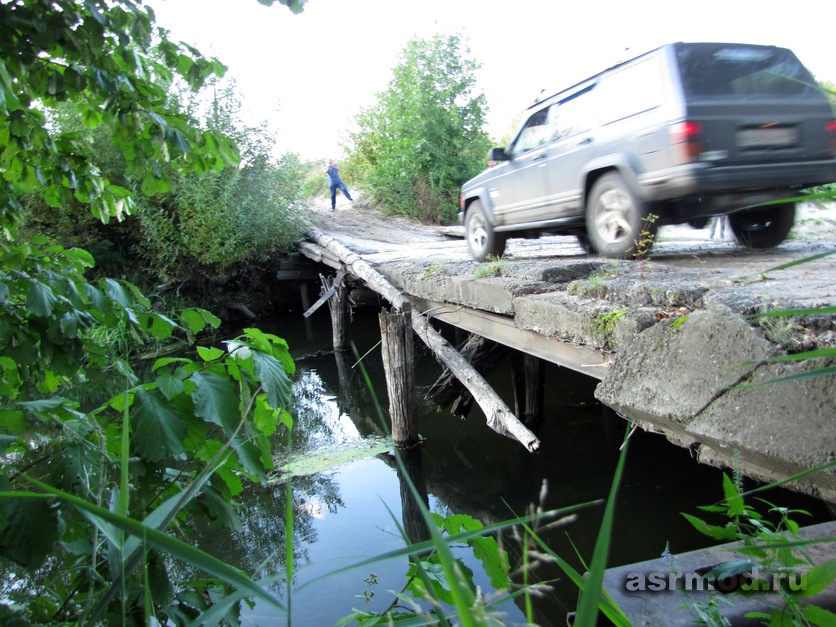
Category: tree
<point>423,138</point>
<point>90,488</point>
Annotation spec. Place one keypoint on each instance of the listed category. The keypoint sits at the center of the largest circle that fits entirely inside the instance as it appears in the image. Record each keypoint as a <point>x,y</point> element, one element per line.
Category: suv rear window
<point>738,70</point>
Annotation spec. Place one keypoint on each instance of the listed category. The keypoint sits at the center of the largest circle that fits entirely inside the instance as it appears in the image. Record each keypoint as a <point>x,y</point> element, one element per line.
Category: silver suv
<point>677,135</point>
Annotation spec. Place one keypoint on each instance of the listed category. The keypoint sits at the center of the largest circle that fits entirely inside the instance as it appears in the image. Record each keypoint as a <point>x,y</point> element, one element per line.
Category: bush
<point>423,138</point>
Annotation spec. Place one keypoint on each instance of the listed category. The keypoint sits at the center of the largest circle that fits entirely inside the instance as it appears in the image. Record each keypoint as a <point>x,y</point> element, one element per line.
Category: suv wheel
<point>763,228</point>
<point>615,218</point>
<point>482,241</point>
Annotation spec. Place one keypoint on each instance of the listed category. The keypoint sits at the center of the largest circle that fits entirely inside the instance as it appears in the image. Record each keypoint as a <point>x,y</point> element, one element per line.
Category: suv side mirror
<point>497,154</point>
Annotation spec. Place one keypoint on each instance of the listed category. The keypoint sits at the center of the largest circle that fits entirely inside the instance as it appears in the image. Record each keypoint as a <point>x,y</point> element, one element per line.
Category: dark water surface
<point>353,511</point>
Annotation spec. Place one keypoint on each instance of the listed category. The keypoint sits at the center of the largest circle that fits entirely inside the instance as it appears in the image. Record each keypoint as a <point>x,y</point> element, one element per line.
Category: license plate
<point>768,137</point>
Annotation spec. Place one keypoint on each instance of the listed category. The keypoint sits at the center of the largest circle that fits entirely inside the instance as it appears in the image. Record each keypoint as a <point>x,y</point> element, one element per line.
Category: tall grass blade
<point>155,538</point>
<point>588,606</point>
<point>288,547</point>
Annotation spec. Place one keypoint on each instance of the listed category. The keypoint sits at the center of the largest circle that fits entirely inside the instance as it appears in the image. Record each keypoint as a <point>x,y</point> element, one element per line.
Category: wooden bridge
<point>670,339</point>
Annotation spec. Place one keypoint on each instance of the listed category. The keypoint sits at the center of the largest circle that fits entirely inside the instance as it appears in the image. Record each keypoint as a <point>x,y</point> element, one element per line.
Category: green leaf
<point>733,498</point>
<point>170,385</point>
<point>40,300</point>
<point>91,117</point>
<point>265,419</point>
<point>30,532</point>
<point>819,616</point>
<point>117,292</point>
<point>209,353</point>
<point>216,400</point>
<point>713,531</point>
<point>250,458</point>
<point>151,185</point>
<point>276,383</point>
<point>10,381</point>
<point>435,574</point>
<point>198,319</point>
<point>819,577</point>
<point>158,429</point>
<point>161,326</point>
<point>13,421</point>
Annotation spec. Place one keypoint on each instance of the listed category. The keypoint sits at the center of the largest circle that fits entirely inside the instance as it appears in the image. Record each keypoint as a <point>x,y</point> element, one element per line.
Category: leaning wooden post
<point>338,304</point>
<point>399,366</point>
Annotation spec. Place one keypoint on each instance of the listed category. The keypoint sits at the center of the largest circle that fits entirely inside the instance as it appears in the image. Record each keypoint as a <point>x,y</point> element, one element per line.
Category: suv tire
<point>763,228</point>
<point>616,218</point>
<point>482,240</point>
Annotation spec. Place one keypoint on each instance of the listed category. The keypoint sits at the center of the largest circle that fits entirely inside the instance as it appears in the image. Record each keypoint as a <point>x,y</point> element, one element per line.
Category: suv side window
<point>533,134</point>
<point>573,115</point>
<point>634,89</point>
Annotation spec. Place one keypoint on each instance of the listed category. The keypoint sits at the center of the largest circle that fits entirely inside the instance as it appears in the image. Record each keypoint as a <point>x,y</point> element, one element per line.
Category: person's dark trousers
<point>343,189</point>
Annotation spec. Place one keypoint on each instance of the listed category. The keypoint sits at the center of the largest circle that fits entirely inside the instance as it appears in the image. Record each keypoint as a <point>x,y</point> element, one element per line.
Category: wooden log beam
<point>499,417</point>
<point>483,354</point>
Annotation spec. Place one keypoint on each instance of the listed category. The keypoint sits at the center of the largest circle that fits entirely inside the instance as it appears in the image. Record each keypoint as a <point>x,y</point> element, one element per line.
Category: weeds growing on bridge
<point>492,268</point>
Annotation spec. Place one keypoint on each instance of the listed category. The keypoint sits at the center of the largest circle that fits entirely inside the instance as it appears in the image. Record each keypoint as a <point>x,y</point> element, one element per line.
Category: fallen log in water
<point>483,354</point>
<point>499,417</point>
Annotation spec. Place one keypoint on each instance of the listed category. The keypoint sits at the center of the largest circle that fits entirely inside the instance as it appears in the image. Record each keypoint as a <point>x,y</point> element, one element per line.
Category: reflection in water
<point>352,512</point>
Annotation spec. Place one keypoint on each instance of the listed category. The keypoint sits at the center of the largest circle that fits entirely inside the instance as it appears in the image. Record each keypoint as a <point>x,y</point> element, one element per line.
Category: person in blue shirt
<point>335,183</point>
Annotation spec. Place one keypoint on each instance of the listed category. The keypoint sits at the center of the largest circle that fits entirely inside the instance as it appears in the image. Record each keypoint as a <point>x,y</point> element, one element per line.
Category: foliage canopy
<point>91,486</point>
<point>423,137</point>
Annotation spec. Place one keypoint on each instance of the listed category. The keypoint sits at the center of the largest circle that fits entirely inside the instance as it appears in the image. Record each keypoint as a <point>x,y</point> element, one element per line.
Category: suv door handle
<point>585,141</point>
<point>539,157</point>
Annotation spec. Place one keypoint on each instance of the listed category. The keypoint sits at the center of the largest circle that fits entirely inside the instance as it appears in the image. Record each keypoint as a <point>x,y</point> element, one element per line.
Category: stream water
<point>347,513</point>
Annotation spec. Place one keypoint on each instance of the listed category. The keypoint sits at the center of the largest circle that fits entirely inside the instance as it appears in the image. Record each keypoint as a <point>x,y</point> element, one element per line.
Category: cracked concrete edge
<point>677,367</point>
<point>773,444</point>
<point>707,416</point>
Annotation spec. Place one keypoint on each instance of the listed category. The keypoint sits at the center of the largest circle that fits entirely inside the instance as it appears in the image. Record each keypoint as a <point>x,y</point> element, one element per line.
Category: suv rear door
<point>756,106</point>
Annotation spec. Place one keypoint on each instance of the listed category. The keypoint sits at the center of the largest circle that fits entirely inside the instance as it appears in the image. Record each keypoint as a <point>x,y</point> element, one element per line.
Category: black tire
<point>583,242</point>
<point>482,240</point>
<point>765,227</point>
<point>616,219</point>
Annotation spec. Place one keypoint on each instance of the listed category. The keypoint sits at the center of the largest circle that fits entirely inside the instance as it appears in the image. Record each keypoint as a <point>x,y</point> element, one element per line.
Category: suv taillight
<point>831,130</point>
<point>687,136</point>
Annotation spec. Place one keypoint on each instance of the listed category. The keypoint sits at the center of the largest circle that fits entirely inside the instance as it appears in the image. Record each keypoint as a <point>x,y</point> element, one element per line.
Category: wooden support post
<point>305,295</point>
<point>399,366</point>
<point>414,523</point>
<point>529,383</point>
<point>338,304</point>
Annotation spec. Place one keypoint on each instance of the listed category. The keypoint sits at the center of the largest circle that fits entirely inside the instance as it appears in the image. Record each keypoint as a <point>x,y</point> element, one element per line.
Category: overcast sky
<point>308,75</point>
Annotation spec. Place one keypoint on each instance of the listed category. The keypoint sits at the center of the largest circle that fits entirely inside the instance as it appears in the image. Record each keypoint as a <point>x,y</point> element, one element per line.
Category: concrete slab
<point>784,428</point>
<point>591,322</point>
<point>661,603</point>
<point>669,373</point>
